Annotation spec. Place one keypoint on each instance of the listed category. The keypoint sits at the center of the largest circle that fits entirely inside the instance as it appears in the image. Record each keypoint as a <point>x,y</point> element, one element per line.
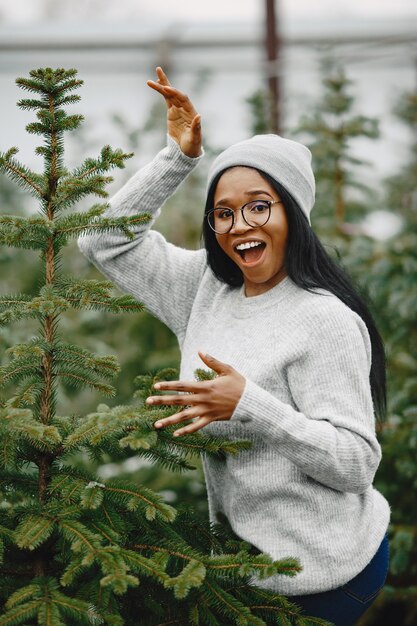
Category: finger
<point>180,399</point>
<point>196,124</point>
<point>192,428</point>
<point>178,385</point>
<point>172,96</point>
<point>158,87</point>
<point>215,364</point>
<point>162,77</point>
<point>182,416</point>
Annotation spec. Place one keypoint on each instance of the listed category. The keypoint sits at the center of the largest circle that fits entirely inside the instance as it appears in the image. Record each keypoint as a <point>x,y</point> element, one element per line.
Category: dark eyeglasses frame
<point>241,209</point>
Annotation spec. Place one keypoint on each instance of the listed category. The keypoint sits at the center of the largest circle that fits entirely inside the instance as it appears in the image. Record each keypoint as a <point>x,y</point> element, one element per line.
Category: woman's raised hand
<point>207,400</point>
<point>183,121</point>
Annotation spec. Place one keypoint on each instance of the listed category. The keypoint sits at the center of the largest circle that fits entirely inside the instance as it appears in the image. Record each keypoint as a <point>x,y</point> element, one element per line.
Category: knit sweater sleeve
<point>330,435</point>
<point>160,275</point>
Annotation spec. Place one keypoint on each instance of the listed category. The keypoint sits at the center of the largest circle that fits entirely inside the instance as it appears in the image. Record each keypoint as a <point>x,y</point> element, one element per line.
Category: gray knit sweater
<point>304,489</point>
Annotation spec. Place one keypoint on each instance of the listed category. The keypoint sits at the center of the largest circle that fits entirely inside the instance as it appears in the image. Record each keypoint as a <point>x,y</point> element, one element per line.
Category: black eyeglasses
<point>255,213</point>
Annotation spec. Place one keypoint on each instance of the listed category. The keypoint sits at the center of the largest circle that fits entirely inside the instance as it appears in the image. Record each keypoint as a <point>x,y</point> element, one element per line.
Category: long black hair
<point>309,265</point>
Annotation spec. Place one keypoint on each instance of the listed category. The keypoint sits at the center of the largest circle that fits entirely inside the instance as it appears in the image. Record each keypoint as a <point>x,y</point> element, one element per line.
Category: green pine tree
<point>74,549</point>
<point>333,125</point>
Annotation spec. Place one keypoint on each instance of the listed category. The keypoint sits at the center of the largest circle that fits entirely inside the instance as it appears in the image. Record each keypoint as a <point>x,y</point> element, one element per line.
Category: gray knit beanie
<point>287,161</point>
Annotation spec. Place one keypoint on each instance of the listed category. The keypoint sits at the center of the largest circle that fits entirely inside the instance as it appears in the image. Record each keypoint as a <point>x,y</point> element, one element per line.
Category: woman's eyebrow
<point>252,192</point>
<point>255,192</point>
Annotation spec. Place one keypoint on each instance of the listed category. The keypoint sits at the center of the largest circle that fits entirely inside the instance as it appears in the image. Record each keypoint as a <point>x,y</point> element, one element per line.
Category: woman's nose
<point>239,224</point>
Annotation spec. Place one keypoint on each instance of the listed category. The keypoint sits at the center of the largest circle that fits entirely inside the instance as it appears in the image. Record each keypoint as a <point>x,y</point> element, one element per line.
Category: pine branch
<point>47,304</point>
<point>106,425</point>
<point>13,301</point>
<point>92,498</point>
<point>76,224</point>
<point>72,190</point>
<point>164,551</point>
<point>67,83</point>
<point>110,558</point>
<point>89,431</point>
<point>94,294</point>
<point>103,366</point>
<point>17,481</point>
<point>166,459</point>
<point>5,533</point>
<point>132,497</point>
<point>198,443</point>
<point>283,613</point>
<point>8,451</point>
<point>229,606</point>
<point>27,392</point>
<point>12,309</point>
<point>20,424</point>
<point>73,571</point>
<point>240,565</point>
<point>47,81</point>
<point>273,608</point>
<point>81,539</point>
<point>19,369</point>
<point>204,536</point>
<point>103,528</point>
<point>107,160</point>
<point>116,569</point>
<point>69,99</point>
<point>191,576</point>
<point>27,179</point>
<point>35,348</point>
<point>244,564</point>
<point>133,428</point>
<point>20,614</point>
<point>25,232</point>
<point>89,178</point>
<point>44,600</point>
<point>28,104</point>
<point>77,376</point>
<point>177,546</point>
<point>68,486</point>
<point>33,530</point>
<point>53,121</point>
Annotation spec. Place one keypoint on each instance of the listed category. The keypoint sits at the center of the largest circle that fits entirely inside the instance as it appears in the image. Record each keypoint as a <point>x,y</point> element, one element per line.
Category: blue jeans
<point>344,606</point>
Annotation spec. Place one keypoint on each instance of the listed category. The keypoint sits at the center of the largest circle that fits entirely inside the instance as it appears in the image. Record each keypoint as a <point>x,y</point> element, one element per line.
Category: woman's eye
<point>224,214</point>
<point>259,207</point>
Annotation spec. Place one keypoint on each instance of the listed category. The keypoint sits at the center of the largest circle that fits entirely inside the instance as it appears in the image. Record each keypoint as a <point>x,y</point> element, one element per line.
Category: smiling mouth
<point>252,254</point>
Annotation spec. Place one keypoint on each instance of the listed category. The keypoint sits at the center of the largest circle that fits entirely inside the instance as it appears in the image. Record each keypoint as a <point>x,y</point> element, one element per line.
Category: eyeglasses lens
<point>254,213</point>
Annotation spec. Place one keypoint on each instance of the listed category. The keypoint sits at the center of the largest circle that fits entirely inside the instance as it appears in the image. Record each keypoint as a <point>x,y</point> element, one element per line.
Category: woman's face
<point>262,266</point>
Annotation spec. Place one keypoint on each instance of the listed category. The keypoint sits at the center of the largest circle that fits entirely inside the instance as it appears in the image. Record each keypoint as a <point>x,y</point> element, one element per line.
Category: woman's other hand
<point>183,121</point>
<point>208,400</point>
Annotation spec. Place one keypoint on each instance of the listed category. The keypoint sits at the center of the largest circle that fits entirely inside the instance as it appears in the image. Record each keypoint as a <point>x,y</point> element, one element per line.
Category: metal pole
<point>273,47</point>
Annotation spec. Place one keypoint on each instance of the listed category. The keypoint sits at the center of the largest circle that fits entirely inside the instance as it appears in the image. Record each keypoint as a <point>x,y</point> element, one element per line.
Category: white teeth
<point>249,244</point>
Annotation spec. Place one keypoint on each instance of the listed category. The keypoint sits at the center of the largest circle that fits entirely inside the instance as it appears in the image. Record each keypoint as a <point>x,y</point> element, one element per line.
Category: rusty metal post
<point>273,47</point>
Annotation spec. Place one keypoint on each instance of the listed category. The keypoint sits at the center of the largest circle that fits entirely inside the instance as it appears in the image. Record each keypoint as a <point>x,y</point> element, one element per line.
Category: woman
<point>300,363</point>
